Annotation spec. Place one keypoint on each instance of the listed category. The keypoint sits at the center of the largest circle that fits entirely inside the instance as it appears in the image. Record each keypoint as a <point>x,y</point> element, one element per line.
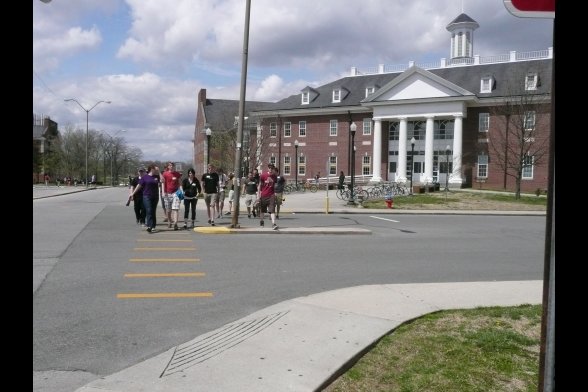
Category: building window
<point>302,128</point>
<point>273,129</point>
<point>305,98</point>
<point>416,129</point>
<point>332,165</point>
<point>273,160</point>
<point>528,167</point>
<point>287,166</point>
<point>482,166</point>
<point>443,130</point>
<point>393,131</point>
<point>530,120</point>
<point>366,165</point>
<point>460,45</point>
<point>531,82</point>
<point>336,95</point>
<point>333,128</point>
<point>301,165</point>
<point>369,91</point>
<point>367,126</point>
<point>392,167</point>
<point>484,122</point>
<point>486,84</point>
<point>287,129</point>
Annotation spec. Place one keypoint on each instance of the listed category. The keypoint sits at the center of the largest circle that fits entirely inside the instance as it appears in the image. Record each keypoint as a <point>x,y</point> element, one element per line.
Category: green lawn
<point>484,349</point>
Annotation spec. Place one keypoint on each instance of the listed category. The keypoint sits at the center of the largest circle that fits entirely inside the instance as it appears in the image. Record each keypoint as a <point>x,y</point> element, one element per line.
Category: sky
<point>151,57</point>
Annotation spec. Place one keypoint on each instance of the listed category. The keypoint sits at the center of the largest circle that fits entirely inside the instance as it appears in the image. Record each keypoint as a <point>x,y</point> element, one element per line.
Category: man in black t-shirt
<point>138,198</point>
<point>210,184</point>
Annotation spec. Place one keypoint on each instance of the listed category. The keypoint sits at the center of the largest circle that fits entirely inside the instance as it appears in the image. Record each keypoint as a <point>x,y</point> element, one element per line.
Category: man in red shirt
<point>171,183</point>
<point>266,194</point>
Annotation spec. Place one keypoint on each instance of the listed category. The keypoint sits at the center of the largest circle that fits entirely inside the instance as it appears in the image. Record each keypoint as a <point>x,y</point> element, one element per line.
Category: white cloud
<point>150,57</point>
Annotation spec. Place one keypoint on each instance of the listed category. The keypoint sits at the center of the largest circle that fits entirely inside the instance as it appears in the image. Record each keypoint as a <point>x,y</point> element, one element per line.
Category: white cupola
<point>462,36</point>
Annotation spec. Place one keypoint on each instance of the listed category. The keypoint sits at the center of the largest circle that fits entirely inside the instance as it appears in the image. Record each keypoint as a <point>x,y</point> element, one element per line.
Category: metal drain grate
<point>216,342</point>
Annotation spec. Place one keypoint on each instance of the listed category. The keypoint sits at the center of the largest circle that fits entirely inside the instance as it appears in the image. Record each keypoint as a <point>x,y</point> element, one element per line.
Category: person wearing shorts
<point>209,183</point>
<point>250,195</point>
<point>171,183</point>
<point>267,195</point>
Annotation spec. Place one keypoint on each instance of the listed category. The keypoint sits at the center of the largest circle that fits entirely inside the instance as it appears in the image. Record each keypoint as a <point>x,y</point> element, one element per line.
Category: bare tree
<point>520,139</point>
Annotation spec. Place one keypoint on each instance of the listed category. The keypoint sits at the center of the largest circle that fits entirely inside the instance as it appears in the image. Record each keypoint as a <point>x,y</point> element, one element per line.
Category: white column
<point>377,154</point>
<point>429,151</point>
<point>456,175</point>
<point>401,166</point>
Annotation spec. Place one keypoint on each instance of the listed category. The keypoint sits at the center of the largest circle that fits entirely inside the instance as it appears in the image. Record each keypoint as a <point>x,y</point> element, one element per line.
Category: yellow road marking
<point>163,295</point>
<point>164,260</point>
<point>213,230</point>
<point>166,275</point>
<point>139,240</point>
<point>162,248</point>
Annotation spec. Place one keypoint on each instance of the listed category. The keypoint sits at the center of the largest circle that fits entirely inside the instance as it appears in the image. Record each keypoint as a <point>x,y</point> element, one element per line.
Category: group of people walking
<point>263,194</point>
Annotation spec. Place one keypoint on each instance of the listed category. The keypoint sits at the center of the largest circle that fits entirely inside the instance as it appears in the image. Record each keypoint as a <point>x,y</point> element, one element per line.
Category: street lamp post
<point>447,152</point>
<point>412,142</point>
<point>352,129</point>
<point>208,134</point>
<point>296,172</point>
<point>87,116</point>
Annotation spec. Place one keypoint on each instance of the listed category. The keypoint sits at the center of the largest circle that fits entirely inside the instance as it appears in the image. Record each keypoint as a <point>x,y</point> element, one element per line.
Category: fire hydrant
<point>389,201</point>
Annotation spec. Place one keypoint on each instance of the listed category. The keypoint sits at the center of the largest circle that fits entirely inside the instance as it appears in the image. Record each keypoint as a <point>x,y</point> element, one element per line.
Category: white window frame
<point>287,129</point>
<point>287,169</point>
<point>369,91</point>
<point>333,124</point>
<point>305,98</point>
<point>273,129</point>
<point>528,166</point>
<point>366,165</point>
<point>336,95</point>
<point>484,122</point>
<point>301,165</point>
<point>273,160</point>
<point>482,166</point>
<point>529,120</point>
<point>302,128</point>
<point>486,84</point>
<point>332,165</point>
<point>531,82</point>
<point>367,126</point>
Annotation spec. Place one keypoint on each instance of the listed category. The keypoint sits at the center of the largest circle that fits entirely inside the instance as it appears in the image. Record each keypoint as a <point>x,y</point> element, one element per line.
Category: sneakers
<point>209,221</point>
<point>185,227</point>
<point>275,227</point>
<point>192,224</point>
<point>254,214</point>
<point>212,223</point>
<point>261,223</point>
<point>228,213</point>
<point>249,216</point>
<point>176,227</point>
<point>150,230</point>
<point>277,217</point>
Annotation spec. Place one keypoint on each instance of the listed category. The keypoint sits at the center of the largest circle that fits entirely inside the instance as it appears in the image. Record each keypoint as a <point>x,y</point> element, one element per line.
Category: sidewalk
<point>304,343</point>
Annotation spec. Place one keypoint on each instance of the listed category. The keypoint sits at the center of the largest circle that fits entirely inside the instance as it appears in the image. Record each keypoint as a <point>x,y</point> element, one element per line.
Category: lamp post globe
<point>352,129</point>
<point>87,116</point>
<point>296,157</point>
<point>208,134</point>
<point>412,142</point>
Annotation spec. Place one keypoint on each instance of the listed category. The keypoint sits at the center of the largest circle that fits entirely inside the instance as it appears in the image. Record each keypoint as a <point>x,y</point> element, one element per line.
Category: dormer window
<point>369,91</point>
<point>305,98</point>
<point>531,81</point>
<point>486,84</point>
<point>336,95</point>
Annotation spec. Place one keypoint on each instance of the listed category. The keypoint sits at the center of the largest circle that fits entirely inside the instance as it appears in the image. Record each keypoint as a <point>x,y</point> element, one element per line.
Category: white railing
<point>466,61</point>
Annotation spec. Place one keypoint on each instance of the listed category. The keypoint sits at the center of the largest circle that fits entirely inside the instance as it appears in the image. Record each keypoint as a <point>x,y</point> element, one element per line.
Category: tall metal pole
<point>87,116</point>
<point>238,171</point>
<point>412,141</point>
<point>207,146</point>
<point>296,172</point>
<point>352,129</point>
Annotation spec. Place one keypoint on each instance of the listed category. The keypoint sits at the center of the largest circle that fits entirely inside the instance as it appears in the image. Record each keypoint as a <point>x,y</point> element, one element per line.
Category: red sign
<point>531,8</point>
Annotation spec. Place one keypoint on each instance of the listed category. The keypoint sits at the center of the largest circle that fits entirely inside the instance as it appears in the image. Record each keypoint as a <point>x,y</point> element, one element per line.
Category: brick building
<point>469,120</point>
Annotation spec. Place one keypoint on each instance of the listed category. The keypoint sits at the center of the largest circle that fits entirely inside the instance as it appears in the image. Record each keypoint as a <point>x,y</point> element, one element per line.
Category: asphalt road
<point>86,244</point>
